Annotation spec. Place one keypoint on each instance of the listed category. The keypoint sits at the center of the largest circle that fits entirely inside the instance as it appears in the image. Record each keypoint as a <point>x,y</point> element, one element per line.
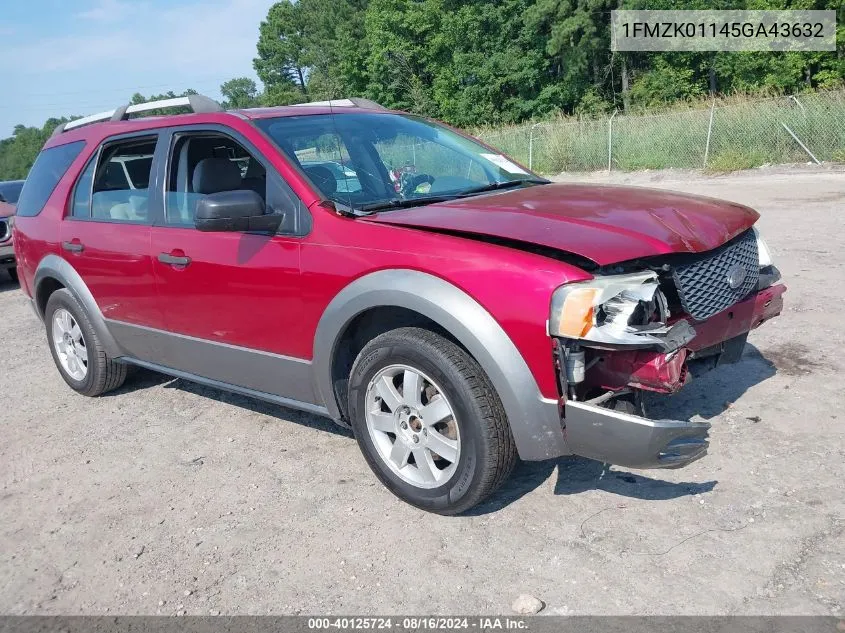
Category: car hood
<point>6,209</point>
<point>606,224</point>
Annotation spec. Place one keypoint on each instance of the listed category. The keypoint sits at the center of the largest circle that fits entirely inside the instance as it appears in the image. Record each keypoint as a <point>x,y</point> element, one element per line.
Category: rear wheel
<point>76,350</point>
<point>428,421</point>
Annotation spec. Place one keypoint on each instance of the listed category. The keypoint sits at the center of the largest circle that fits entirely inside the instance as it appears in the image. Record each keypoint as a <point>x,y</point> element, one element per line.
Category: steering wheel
<point>409,182</point>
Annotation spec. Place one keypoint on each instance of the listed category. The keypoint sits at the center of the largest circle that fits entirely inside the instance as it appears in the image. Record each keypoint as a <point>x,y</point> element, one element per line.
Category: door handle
<point>174,260</point>
<point>74,246</point>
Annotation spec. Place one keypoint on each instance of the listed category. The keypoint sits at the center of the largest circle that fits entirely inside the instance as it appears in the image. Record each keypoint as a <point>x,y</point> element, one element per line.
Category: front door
<point>230,300</point>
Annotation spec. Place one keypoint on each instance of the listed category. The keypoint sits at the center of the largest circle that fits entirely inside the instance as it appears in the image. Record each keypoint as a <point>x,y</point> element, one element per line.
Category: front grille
<point>5,231</point>
<point>704,285</point>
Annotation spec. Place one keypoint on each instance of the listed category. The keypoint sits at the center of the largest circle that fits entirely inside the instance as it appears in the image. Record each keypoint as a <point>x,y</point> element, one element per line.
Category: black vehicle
<point>10,190</point>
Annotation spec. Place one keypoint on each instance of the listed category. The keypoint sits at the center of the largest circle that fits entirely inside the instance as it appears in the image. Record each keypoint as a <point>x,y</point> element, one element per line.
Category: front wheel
<point>428,421</point>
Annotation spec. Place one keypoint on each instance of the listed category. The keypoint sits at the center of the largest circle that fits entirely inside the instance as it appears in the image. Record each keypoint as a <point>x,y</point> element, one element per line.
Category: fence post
<point>798,140</point>
<point>531,146</point>
<point>610,139</point>
<point>709,132</point>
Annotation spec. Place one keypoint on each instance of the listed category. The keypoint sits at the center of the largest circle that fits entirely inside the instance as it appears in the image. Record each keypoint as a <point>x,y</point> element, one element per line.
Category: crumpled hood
<point>606,224</point>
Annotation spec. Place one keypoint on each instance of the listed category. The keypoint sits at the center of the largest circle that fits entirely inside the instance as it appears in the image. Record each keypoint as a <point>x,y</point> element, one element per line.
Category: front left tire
<point>428,421</point>
<point>76,349</point>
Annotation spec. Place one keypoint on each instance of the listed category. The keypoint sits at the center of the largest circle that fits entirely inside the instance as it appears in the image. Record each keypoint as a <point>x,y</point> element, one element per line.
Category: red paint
<point>268,293</point>
<point>651,371</point>
<point>110,248</point>
<point>606,224</point>
<point>238,289</point>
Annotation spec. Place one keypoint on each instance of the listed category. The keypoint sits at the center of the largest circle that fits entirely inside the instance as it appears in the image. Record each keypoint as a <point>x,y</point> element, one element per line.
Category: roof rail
<point>351,102</point>
<point>197,103</point>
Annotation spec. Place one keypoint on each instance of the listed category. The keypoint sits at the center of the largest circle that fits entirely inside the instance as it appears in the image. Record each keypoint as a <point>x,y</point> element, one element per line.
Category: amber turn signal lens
<point>577,317</point>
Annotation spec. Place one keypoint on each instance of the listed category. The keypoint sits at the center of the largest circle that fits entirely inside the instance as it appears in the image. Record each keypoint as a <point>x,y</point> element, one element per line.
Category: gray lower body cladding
<point>630,440</point>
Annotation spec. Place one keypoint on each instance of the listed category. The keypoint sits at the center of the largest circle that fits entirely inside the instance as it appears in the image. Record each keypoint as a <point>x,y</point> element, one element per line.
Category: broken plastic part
<point>617,311</point>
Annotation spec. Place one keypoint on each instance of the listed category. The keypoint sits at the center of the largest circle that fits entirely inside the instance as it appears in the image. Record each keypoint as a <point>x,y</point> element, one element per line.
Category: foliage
<point>239,93</point>
<point>18,152</point>
<point>476,62</point>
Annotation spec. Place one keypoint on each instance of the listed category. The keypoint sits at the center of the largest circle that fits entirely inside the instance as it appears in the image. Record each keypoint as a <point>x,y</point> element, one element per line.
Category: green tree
<point>282,46</point>
<point>240,92</point>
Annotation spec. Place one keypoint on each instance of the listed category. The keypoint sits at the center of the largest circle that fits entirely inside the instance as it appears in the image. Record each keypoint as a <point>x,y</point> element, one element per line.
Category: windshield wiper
<point>507,184</point>
<point>401,203</point>
<point>404,203</point>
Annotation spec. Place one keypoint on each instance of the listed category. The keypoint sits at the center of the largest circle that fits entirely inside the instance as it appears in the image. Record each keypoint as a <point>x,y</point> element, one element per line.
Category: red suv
<point>391,273</point>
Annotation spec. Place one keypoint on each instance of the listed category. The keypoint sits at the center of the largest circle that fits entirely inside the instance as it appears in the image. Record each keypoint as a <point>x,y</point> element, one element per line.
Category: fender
<point>534,420</point>
<point>53,266</point>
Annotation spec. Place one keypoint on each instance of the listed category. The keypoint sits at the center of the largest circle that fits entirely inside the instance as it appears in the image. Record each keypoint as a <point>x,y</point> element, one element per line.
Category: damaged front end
<point>618,335</point>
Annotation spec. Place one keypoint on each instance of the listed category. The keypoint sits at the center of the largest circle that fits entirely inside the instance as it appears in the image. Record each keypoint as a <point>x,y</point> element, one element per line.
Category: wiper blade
<point>404,203</point>
<point>507,184</point>
<point>401,203</point>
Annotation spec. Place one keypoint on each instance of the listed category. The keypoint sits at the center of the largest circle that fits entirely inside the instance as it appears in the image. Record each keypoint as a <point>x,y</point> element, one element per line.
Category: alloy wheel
<point>413,426</point>
<point>70,344</point>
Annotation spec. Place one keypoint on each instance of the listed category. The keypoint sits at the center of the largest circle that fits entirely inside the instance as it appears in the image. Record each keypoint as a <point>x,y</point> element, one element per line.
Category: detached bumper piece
<point>630,440</point>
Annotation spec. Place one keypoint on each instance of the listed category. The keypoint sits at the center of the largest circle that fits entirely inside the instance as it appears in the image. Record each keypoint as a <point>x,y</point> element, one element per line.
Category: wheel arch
<point>534,421</point>
<point>54,273</point>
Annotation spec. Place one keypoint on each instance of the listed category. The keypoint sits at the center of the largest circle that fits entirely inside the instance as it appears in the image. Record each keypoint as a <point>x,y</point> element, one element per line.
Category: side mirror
<point>240,210</point>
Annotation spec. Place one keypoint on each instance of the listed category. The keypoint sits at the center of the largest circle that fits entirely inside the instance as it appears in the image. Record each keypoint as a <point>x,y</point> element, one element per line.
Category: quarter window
<point>49,167</point>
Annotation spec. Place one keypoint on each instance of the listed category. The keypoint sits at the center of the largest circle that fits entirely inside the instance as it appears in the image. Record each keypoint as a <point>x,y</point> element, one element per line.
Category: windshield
<point>371,161</point>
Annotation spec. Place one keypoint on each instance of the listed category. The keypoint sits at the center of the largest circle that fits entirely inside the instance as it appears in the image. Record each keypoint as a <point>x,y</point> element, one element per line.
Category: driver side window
<point>202,164</point>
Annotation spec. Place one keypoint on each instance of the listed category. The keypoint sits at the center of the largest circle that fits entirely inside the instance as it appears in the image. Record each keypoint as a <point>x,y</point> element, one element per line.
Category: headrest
<point>323,178</point>
<point>216,174</point>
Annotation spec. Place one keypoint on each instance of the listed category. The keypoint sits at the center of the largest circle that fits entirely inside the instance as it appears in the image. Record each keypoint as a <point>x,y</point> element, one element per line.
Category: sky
<point>78,57</point>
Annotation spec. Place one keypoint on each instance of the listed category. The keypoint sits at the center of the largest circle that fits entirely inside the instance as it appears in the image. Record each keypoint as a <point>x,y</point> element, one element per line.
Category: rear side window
<point>117,189</point>
<point>49,167</point>
<point>82,192</point>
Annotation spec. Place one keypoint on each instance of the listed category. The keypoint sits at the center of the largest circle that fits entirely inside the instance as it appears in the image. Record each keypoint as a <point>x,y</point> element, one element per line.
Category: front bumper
<point>630,440</point>
<point>7,256</point>
<point>635,442</point>
<point>667,372</point>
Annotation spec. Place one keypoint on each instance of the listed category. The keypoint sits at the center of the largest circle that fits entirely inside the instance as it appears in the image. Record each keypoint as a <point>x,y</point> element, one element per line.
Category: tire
<point>478,453</point>
<point>101,373</point>
<point>13,274</point>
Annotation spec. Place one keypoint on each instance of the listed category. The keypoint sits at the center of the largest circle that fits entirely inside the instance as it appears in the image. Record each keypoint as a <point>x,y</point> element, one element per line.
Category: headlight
<point>613,310</point>
<point>762,250</point>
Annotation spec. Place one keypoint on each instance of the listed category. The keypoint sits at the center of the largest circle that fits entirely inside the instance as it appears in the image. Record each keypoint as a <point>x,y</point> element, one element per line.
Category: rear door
<point>105,234</point>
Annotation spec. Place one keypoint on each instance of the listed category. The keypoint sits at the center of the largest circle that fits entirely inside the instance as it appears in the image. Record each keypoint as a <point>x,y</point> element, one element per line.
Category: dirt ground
<point>166,496</point>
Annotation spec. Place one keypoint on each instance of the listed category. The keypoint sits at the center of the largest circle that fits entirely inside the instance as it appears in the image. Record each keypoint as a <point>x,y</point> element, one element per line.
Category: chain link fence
<point>730,134</point>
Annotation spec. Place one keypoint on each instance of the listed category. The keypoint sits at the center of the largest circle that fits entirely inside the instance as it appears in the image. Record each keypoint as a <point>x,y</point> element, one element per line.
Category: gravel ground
<point>169,497</point>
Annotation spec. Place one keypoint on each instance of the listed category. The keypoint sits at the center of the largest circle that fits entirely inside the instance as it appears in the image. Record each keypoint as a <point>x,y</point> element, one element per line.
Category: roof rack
<point>351,102</point>
<point>197,103</point>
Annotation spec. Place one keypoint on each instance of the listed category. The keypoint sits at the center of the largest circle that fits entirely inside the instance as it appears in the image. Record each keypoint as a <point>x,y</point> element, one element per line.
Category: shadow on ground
<point>576,475</point>
<point>710,394</point>
<point>707,396</point>
<point>6,283</point>
<point>144,379</point>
